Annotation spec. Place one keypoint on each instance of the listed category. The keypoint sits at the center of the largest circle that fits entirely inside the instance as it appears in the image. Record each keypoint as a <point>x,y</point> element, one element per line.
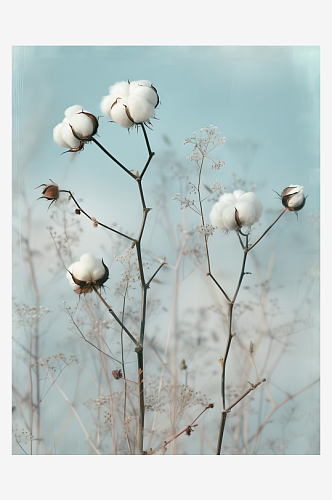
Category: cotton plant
<point>131,104</point>
<point>231,213</point>
<point>128,104</point>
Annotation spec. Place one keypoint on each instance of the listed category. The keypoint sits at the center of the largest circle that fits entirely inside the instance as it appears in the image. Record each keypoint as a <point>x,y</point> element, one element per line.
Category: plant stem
<point>87,215</point>
<point>118,320</point>
<point>151,153</point>
<point>112,158</point>
<point>268,229</point>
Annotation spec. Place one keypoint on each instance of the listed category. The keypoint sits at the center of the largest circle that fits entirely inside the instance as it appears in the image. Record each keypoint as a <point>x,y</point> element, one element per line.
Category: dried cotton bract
<point>50,192</point>
<point>130,103</point>
<point>86,272</point>
<point>232,211</point>
<point>76,128</point>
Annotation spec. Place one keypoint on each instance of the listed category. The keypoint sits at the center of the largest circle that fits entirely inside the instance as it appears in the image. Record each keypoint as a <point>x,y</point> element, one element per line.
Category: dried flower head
<point>183,365</point>
<point>50,192</point>
<point>117,374</point>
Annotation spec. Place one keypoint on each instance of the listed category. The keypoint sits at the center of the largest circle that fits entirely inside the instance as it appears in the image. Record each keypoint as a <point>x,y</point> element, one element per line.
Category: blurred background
<point>265,102</point>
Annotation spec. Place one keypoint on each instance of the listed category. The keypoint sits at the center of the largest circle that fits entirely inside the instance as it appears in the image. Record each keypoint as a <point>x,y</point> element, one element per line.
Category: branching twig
<point>187,430</point>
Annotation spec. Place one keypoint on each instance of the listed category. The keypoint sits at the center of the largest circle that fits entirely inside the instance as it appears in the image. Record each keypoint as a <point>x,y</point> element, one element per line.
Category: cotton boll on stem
<point>216,216</point>
<point>229,218</point>
<point>105,105</point>
<point>140,110</point>
<point>119,115</point>
<point>252,198</point>
<point>57,136</point>
<point>82,125</point>
<point>67,136</point>
<point>119,89</point>
<point>246,215</point>
<point>72,110</point>
<point>144,89</point>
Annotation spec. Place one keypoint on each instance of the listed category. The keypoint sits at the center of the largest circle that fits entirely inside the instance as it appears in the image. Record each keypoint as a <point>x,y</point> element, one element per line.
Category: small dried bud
<point>293,197</point>
<point>251,347</point>
<point>77,211</point>
<point>189,430</point>
<point>134,172</point>
<point>117,374</point>
<point>50,192</point>
<point>94,222</point>
<point>183,365</point>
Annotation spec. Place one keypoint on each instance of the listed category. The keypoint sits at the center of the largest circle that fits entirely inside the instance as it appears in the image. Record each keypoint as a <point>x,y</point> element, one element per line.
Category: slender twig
<point>151,153</point>
<point>112,157</point>
<point>253,387</point>
<point>93,345</point>
<point>268,229</point>
<point>188,430</point>
<point>277,406</point>
<point>73,410</point>
<point>99,223</point>
<point>151,279</point>
<point>170,325</point>
<point>116,318</point>
<point>220,288</point>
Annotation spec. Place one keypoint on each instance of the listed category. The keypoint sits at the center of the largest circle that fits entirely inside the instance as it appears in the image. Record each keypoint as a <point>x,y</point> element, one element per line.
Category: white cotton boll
<point>252,198</point>
<point>227,198</point>
<point>246,213</point>
<point>106,104</point>
<point>99,270</point>
<point>120,89</point>
<point>142,88</point>
<point>82,124</point>
<point>216,216</point>
<point>140,109</point>
<point>296,199</point>
<point>296,188</point>
<point>229,218</point>
<point>57,136</point>
<point>81,271</point>
<point>237,193</point>
<point>119,115</point>
<point>89,261</point>
<point>67,136</point>
<point>72,110</point>
<point>70,279</point>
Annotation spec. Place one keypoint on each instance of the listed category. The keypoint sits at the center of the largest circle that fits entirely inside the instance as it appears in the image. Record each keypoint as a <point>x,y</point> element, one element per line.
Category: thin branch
<point>151,153</point>
<point>161,265</point>
<point>253,387</point>
<point>73,410</point>
<point>277,406</point>
<point>93,345</point>
<point>99,223</point>
<point>117,319</point>
<point>268,229</point>
<point>188,430</point>
<point>112,158</point>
